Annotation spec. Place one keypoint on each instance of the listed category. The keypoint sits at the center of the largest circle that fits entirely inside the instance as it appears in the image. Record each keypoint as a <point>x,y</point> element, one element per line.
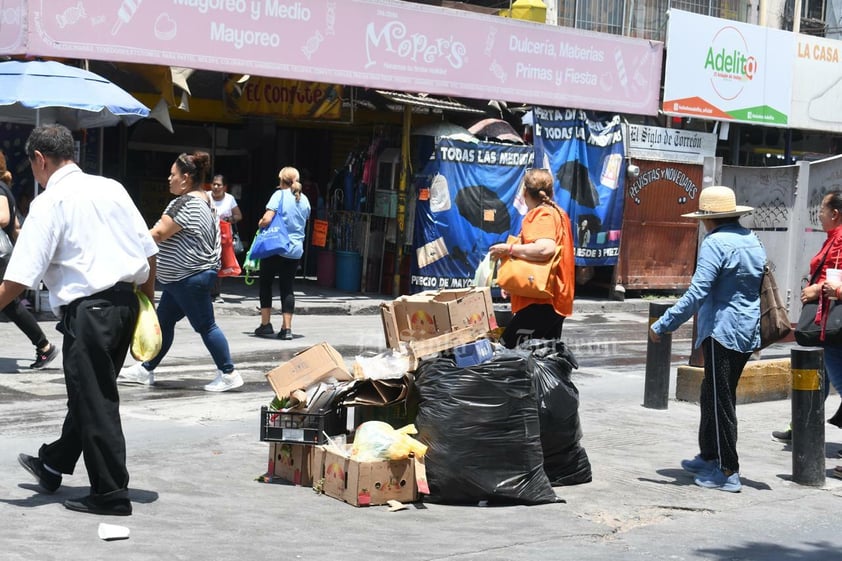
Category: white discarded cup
<point>110,532</point>
<point>834,275</point>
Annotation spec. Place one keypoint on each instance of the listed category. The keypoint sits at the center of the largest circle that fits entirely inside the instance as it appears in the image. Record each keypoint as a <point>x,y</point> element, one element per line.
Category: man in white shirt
<point>88,242</point>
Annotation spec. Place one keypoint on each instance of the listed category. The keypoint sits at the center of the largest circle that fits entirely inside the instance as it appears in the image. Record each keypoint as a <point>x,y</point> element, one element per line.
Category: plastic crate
<point>301,428</point>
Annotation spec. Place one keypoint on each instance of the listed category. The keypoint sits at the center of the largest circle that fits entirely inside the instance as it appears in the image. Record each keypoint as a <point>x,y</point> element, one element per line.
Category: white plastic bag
<point>386,365</point>
<point>146,342</point>
<point>484,275</point>
<point>376,440</point>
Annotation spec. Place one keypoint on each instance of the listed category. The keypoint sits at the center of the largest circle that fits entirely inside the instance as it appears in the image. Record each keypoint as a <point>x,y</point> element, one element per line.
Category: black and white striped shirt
<point>194,248</point>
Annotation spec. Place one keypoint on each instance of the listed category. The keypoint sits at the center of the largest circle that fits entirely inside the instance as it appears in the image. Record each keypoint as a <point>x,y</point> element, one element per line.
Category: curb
<point>342,304</point>
<point>762,380</point>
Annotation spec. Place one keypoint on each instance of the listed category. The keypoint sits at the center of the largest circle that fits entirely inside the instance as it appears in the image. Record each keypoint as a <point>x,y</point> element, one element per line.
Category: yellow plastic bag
<point>375,440</point>
<point>146,342</point>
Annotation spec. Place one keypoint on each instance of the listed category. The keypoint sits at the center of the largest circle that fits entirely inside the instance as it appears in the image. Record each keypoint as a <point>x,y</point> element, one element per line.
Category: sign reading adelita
<point>284,98</point>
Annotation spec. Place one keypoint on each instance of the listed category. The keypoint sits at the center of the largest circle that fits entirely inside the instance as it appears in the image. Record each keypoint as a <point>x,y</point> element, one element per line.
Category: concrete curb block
<point>762,380</point>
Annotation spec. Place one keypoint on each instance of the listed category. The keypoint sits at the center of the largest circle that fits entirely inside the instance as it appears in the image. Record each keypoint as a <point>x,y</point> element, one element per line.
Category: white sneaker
<point>224,382</point>
<point>136,374</point>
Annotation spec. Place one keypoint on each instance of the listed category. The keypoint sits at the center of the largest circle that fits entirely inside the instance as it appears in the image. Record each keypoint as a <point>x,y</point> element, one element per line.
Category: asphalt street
<point>194,457</point>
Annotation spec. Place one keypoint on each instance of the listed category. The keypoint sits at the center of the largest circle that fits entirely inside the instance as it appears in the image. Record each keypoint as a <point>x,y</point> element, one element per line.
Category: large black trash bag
<point>481,427</point>
<point>551,364</point>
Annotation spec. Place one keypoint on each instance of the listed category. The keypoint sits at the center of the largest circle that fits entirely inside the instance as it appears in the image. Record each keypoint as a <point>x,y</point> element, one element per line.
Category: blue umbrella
<point>37,92</point>
<point>40,92</point>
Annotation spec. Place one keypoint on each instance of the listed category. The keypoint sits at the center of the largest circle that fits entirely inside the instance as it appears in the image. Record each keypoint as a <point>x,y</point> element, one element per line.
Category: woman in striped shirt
<point>188,260</point>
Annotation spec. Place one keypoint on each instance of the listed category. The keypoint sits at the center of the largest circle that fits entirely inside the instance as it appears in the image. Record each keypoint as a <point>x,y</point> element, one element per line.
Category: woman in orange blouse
<point>545,228</point>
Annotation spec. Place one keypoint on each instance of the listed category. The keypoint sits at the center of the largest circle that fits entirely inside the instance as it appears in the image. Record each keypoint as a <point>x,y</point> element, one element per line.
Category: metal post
<point>808,463</point>
<point>658,358</point>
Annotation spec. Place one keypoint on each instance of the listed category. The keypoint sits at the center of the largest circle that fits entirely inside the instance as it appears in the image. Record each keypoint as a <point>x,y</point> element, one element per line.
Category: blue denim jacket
<point>725,290</point>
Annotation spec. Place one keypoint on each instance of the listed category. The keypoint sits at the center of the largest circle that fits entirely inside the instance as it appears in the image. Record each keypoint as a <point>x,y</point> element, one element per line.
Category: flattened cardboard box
<point>369,483</point>
<point>380,392</point>
<point>308,367</point>
<point>317,465</point>
<point>435,312</point>
<point>291,462</point>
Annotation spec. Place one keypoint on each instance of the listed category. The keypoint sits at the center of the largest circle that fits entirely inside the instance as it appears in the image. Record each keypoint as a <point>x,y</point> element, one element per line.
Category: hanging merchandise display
<point>353,235</point>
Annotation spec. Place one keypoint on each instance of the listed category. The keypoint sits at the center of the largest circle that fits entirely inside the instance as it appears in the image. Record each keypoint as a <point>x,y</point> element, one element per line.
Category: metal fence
<point>643,19</point>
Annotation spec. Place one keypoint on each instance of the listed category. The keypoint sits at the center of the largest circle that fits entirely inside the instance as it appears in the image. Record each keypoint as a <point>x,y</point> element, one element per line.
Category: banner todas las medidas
<point>468,196</point>
<point>585,156</point>
<point>465,203</point>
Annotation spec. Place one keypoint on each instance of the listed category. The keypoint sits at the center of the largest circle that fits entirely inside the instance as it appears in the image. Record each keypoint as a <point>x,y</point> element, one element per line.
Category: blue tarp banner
<point>585,155</point>
<point>468,195</point>
<point>465,203</point>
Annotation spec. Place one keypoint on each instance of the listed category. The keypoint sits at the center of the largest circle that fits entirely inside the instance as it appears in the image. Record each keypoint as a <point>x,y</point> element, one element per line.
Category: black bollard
<point>658,358</point>
<point>808,463</point>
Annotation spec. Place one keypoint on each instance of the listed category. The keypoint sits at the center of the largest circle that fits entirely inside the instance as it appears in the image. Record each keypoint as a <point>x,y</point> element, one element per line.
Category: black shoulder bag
<point>808,333</point>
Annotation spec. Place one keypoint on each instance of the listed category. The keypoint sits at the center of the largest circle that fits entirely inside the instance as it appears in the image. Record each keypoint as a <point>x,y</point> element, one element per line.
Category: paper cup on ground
<point>110,532</point>
<point>834,275</point>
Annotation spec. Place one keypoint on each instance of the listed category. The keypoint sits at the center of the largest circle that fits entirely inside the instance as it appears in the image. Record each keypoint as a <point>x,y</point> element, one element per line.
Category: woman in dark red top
<point>828,257</point>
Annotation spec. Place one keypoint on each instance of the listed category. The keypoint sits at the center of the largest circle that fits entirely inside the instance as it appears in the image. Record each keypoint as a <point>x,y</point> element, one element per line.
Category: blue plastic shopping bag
<point>271,240</point>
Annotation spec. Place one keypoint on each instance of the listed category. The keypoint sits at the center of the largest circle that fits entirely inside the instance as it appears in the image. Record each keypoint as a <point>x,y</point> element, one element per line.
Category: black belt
<point>113,291</point>
<point>120,287</point>
<point>117,288</point>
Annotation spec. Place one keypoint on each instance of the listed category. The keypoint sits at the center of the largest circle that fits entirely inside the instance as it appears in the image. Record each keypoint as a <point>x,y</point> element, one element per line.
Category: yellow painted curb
<point>762,380</point>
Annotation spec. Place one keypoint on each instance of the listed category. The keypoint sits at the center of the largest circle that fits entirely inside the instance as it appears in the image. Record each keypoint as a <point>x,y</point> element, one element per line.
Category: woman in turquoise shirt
<point>725,293</point>
<point>295,208</point>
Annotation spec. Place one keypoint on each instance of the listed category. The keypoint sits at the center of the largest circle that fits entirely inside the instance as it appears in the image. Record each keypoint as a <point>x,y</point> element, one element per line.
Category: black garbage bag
<point>551,364</point>
<point>481,427</point>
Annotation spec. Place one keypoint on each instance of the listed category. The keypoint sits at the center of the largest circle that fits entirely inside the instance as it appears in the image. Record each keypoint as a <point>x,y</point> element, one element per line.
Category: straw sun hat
<point>718,202</point>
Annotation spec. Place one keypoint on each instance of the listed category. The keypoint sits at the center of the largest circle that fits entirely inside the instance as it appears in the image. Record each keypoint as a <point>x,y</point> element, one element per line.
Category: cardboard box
<point>434,313</point>
<point>428,347</point>
<point>380,392</point>
<point>308,367</point>
<point>369,483</point>
<point>291,462</point>
<point>317,466</point>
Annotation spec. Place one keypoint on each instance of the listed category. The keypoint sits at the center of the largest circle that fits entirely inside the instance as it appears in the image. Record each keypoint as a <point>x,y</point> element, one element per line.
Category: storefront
<point>357,43</point>
<point>667,169</point>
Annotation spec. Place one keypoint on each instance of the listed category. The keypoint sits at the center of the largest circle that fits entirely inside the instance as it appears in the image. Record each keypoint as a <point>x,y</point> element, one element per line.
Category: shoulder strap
<point>819,268</point>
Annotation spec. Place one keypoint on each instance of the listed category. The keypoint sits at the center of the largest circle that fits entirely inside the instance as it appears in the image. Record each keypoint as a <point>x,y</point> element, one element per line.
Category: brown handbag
<point>774,318</point>
<point>530,279</point>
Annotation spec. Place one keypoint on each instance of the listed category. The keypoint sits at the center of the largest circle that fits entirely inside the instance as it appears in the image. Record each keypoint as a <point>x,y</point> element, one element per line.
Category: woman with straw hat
<point>725,293</point>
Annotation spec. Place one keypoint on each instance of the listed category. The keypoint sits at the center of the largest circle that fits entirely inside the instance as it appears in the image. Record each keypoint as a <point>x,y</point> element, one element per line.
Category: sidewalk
<point>242,299</point>
<point>312,299</point>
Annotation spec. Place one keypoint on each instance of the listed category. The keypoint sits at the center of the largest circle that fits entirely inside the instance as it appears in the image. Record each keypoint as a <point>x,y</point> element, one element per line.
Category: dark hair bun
<point>202,162</point>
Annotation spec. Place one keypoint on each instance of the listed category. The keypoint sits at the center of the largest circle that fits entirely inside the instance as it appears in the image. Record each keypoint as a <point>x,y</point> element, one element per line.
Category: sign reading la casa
<point>817,51</point>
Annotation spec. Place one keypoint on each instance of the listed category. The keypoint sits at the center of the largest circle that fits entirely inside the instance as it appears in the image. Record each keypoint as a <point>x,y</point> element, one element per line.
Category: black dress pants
<point>97,334</point>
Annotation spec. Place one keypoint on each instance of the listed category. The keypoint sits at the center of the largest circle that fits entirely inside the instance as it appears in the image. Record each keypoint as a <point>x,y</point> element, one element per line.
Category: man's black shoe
<point>784,436</point>
<point>48,481</point>
<point>114,507</point>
